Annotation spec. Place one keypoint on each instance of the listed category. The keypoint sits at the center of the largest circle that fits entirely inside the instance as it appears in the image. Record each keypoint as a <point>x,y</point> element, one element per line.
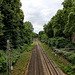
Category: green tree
<point>48,29</point>
<point>44,37</point>
<point>62,24</point>
<point>27,32</point>
<point>58,23</point>
<point>13,22</point>
<point>70,26</point>
<point>40,34</point>
<point>67,3</point>
<point>34,35</point>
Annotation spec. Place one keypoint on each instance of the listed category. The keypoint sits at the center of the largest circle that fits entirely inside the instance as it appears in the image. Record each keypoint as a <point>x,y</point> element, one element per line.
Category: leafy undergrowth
<point>60,61</point>
<point>21,64</point>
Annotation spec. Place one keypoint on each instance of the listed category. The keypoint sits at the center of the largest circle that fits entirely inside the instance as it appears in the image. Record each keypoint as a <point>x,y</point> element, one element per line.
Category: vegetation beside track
<point>21,64</point>
<point>59,35</point>
<point>60,61</point>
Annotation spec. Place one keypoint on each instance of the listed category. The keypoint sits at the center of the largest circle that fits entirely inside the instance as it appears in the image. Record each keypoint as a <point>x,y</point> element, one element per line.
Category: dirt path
<point>41,64</point>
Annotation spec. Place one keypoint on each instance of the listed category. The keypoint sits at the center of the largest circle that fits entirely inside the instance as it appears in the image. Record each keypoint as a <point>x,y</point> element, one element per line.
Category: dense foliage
<point>14,29</point>
<point>60,31</point>
<point>63,23</point>
<point>42,36</point>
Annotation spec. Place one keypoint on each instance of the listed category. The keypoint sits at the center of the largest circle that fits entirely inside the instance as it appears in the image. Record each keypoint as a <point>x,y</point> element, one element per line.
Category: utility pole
<point>8,58</point>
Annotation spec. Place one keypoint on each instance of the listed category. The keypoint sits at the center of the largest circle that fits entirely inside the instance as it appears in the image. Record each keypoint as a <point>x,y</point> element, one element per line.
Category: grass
<point>21,64</point>
<point>60,61</point>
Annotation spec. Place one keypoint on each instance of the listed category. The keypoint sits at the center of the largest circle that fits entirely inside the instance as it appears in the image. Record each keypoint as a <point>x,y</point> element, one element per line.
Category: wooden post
<point>8,58</point>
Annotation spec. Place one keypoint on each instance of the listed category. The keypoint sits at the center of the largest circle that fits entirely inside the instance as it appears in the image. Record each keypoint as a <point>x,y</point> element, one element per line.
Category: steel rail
<point>50,63</point>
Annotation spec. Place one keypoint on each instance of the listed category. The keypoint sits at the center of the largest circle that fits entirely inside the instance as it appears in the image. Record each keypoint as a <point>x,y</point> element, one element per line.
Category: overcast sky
<point>39,12</point>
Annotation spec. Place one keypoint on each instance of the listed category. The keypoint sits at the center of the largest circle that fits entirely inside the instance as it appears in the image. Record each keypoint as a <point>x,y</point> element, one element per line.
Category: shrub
<point>61,42</point>
<point>14,56</point>
<point>68,69</point>
<point>71,58</point>
<point>70,45</point>
<point>2,61</point>
<point>66,54</point>
<point>52,42</point>
<point>58,42</point>
<point>29,48</point>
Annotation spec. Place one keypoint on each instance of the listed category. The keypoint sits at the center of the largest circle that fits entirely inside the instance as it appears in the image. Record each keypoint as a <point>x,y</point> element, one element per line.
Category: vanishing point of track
<point>41,64</point>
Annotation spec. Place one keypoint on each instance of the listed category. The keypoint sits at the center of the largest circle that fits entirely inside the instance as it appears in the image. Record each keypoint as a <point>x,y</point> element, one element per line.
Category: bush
<point>70,45</point>
<point>29,48</point>
<point>13,55</point>
<point>71,58</point>
<point>52,42</point>
<point>61,42</point>
<point>23,48</point>
<point>66,54</point>
<point>58,42</point>
<point>2,61</point>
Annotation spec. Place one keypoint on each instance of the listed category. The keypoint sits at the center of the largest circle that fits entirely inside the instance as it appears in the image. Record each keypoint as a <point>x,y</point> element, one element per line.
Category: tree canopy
<point>12,26</point>
<point>63,23</point>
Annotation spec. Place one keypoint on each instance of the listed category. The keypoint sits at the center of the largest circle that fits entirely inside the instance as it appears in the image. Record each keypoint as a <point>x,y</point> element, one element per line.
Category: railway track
<point>35,66</point>
<point>51,66</point>
<point>41,64</point>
